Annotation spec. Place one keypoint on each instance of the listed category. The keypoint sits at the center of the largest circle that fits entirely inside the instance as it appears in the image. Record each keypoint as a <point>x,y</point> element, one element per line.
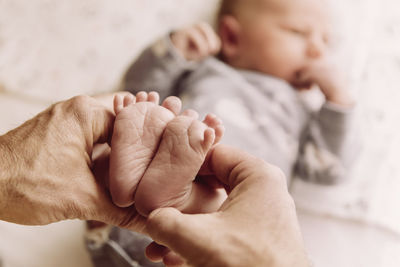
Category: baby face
<point>283,37</point>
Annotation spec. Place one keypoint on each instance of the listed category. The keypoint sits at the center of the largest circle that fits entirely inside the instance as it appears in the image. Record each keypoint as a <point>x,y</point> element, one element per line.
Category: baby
<point>156,153</point>
<point>269,51</point>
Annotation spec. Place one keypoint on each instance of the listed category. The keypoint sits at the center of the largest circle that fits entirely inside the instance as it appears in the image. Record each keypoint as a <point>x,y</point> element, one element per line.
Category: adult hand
<point>196,42</point>
<point>47,167</point>
<point>256,225</point>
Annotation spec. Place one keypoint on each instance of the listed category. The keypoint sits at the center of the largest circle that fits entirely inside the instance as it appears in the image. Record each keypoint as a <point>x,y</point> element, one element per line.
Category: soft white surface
<point>332,242</point>
<point>373,194</point>
<point>55,49</point>
<point>51,50</point>
<point>60,244</point>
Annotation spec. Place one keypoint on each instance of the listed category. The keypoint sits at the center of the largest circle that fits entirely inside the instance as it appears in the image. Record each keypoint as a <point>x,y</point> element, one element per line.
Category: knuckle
<point>77,102</point>
<point>276,173</point>
<point>79,106</point>
<point>74,116</point>
<point>272,173</point>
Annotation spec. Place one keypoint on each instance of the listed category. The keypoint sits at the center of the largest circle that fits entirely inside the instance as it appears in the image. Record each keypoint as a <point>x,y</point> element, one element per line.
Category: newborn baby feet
<point>168,181</point>
<point>156,153</point>
<point>138,127</point>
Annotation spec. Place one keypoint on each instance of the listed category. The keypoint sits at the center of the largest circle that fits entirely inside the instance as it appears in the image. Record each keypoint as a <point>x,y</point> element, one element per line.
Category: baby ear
<point>229,32</point>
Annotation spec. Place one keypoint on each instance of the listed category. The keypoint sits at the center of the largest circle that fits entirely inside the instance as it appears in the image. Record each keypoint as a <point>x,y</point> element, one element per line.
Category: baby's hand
<point>196,42</point>
<point>331,81</point>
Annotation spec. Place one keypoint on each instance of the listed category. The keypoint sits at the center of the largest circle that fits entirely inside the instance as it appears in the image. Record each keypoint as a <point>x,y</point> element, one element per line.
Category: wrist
<point>342,99</point>
<point>6,169</point>
<point>339,95</point>
<point>337,92</point>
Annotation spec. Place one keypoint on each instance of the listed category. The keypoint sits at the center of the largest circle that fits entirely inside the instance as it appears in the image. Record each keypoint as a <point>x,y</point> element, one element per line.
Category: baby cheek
<point>279,57</point>
<point>282,63</point>
<point>296,58</point>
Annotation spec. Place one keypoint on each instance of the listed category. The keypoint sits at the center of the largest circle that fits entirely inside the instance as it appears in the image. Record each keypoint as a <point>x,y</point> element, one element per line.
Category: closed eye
<point>297,31</point>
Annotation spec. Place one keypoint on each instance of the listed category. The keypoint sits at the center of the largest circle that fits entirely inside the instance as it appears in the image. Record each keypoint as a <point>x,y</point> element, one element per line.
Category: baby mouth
<point>302,86</point>
<point>299,82</point>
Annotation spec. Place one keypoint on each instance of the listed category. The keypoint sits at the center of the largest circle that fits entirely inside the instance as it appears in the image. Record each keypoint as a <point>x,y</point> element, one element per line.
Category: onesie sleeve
<point>330,145</point>
<point>158,68</point>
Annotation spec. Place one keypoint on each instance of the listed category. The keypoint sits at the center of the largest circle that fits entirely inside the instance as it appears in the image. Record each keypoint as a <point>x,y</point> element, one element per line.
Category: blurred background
<point>52,50</point>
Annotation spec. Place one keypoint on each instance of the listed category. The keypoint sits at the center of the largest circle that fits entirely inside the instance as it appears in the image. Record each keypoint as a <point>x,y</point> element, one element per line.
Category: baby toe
<point>215,123</point>
<point>219,133</point>
<point>141,96</point>
<point>212,120</point>
<point>209,138</point>
<point>118,103</point>
<point>173,103</point>
<point>200,136</point>
<point>129,100</point>
<point>154,97</point>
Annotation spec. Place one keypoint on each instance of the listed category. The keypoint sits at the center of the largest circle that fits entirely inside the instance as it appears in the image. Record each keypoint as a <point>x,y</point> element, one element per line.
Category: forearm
<point>336,89</point>
<point>340,97</point>
<point>330,146</point>
<point>6,174</point>
<point>335,128</point>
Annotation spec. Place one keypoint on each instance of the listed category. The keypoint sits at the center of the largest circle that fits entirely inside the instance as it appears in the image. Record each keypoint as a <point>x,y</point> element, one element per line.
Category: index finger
<point>231,166</point>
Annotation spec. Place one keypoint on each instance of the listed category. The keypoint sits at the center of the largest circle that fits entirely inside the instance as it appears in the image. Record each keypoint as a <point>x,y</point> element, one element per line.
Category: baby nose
<point>315,47</point>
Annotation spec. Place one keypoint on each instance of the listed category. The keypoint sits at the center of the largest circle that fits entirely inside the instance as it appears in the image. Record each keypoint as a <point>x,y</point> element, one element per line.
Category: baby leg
<point>168,181</point>
<point>139,125</point>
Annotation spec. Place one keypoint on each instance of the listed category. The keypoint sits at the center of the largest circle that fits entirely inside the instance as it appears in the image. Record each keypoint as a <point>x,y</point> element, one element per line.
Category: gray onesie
<point>262,114</point>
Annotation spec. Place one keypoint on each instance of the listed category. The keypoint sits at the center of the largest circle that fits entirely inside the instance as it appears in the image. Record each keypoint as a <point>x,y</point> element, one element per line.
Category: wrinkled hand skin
<point>46,167</point>
<point>256,226</point>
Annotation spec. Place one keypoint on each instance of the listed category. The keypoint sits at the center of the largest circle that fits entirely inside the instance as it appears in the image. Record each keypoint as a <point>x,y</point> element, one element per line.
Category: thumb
<point>102,123</point>
<point>103,117</point>
<point>187,235</point>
